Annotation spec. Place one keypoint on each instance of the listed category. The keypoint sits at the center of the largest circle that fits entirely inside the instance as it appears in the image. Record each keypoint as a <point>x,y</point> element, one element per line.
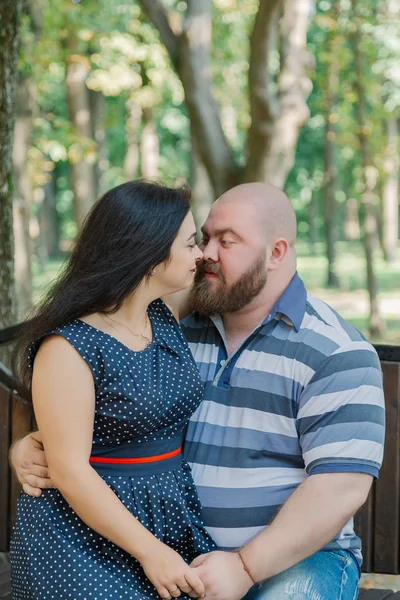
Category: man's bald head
<point>272,209</point>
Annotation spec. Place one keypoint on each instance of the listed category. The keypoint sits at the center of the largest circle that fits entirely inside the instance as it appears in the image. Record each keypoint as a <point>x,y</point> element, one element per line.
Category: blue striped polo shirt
<point>301,395</point>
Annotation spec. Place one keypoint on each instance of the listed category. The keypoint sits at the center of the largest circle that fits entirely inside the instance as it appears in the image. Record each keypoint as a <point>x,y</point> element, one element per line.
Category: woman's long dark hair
<point>125,235</point>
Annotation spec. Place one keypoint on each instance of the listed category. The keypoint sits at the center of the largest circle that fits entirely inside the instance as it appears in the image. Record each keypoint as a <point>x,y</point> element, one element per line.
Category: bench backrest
<point>378,521</point>
<point>16,419</point>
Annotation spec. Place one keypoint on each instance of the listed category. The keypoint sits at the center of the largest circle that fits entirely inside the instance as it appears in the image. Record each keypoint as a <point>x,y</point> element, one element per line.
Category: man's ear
<point>279,250</point>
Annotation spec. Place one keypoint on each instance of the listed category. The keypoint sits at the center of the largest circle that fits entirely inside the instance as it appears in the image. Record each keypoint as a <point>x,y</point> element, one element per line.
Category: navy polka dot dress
<point>143,402</point>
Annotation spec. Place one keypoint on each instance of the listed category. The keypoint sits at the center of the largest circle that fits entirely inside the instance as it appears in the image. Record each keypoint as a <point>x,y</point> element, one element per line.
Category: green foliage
<point>128,65</point>
<point>380,49</point>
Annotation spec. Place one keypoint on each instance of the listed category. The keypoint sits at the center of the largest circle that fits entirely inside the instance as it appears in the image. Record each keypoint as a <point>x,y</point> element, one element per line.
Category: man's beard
<point>209,298</point>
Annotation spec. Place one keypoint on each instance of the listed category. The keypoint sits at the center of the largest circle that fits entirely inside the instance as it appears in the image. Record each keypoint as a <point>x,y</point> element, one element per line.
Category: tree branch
<point>158,16</point>
<point>33,9</point>
<point>272,143</point>
<point>190,55</point>
<point>263,41</point>
<point>195,73</point>
<point>264,106</point>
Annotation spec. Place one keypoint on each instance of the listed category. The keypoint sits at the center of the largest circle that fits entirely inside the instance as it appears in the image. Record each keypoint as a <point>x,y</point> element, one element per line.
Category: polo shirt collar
<point>291,304</point>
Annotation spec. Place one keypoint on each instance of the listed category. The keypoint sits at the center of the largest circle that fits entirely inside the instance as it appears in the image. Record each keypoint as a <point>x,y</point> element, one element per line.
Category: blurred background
<point>304,94</point>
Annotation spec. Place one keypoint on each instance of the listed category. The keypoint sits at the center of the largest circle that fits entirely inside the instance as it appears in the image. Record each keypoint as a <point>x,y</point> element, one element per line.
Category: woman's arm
<point>64,403</point>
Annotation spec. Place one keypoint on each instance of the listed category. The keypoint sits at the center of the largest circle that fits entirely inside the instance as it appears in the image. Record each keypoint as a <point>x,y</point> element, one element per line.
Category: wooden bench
<point>377,523</point>
<point>5,590</point>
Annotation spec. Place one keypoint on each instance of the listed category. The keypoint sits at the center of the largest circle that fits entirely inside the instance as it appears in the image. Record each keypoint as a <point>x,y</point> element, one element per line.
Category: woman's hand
<point>169,573</point>
<point>28,459</point>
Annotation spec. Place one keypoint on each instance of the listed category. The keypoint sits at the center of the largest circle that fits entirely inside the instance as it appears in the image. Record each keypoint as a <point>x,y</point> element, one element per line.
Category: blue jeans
<point>326,575</point>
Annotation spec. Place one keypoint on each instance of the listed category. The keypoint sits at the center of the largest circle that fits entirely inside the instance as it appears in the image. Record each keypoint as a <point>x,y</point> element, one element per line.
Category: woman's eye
<point>226,242</point>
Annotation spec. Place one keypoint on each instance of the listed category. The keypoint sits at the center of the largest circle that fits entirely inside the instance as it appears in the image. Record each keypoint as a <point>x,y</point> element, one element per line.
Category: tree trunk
<point>264,103</point>
<point>202,189</point>
<point>330,170</point>
<point>82,169</point>
<point>330,204</point>
<point>132,156</point>
<point>195,74</point>
<point>98,134</point>
<point>369,221</point>
<point>351,223</point>
<point>312,219</point>
<point>23,195</point>
<point>48,217</point>
<point>285,112</point>
<point>390,193</point>
<point>276,116</point>
<point>149,146</point>
<point>10,15</point>
<point>190,55</point>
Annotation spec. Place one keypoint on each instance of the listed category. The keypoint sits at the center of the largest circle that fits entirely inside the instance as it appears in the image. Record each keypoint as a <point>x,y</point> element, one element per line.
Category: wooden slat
<point>21,424</point>
<point>388,353</point>
<point>5,587</point>
<point>5,421</point>
<point>387,492</point>
<point>9,334</point>
<point>378,595</point>
<point>364,528</point>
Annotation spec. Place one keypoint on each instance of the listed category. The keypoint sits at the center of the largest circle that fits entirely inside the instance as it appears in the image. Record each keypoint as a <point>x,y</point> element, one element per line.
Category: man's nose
<point>210,252</point>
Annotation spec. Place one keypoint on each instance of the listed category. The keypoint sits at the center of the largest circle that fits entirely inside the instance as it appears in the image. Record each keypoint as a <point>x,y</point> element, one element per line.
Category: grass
<point>350,300</point>
<point>350,268</point>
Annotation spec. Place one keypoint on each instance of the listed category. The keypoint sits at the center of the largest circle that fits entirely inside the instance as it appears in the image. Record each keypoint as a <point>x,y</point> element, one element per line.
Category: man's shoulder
<point>348,346</point>
<point>324,319</point>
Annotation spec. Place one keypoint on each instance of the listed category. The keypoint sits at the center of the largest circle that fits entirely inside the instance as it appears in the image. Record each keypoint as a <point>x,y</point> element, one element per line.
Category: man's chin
<point>205,284</point>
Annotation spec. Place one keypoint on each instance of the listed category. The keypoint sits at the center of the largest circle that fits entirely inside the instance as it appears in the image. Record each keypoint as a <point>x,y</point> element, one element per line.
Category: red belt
<point>132,461</point>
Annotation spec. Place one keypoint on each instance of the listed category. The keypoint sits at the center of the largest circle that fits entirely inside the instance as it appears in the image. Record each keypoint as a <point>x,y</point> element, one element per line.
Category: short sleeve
<point>341,413</point>
<point>84,340</point>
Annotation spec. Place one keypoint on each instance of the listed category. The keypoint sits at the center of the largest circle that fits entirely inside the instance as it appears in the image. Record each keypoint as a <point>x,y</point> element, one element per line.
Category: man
<point>289,436</point>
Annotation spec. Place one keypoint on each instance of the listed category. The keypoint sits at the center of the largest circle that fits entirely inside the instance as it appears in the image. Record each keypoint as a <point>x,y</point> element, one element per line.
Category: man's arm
<point>341,422</point>
<point>29,462</point>
<point>178,303</point>
<point>312,516</point>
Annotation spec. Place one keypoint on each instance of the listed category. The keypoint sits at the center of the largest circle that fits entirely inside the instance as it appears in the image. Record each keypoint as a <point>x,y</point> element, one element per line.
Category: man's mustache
<point>206,267</point>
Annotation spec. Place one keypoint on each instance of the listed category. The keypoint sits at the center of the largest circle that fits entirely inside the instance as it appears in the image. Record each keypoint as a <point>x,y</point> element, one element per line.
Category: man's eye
<point>226,242</point>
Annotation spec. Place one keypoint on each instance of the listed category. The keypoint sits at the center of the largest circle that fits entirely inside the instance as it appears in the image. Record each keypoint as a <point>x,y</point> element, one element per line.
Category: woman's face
<point>178,272</point>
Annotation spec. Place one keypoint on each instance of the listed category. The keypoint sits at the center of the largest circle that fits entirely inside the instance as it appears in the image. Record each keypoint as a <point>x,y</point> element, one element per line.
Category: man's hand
<point>28,459</point>
<point>223,575</point>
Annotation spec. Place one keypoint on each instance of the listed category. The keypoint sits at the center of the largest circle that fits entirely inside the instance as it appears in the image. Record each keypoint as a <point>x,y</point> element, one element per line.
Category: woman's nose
<point>199,254</point>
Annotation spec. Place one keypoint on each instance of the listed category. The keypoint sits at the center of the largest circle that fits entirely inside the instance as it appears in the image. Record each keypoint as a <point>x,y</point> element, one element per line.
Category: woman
<point>113,386</point>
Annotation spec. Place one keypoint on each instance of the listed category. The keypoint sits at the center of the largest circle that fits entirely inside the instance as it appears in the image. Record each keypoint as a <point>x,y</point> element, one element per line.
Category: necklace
<point>139,335</point>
